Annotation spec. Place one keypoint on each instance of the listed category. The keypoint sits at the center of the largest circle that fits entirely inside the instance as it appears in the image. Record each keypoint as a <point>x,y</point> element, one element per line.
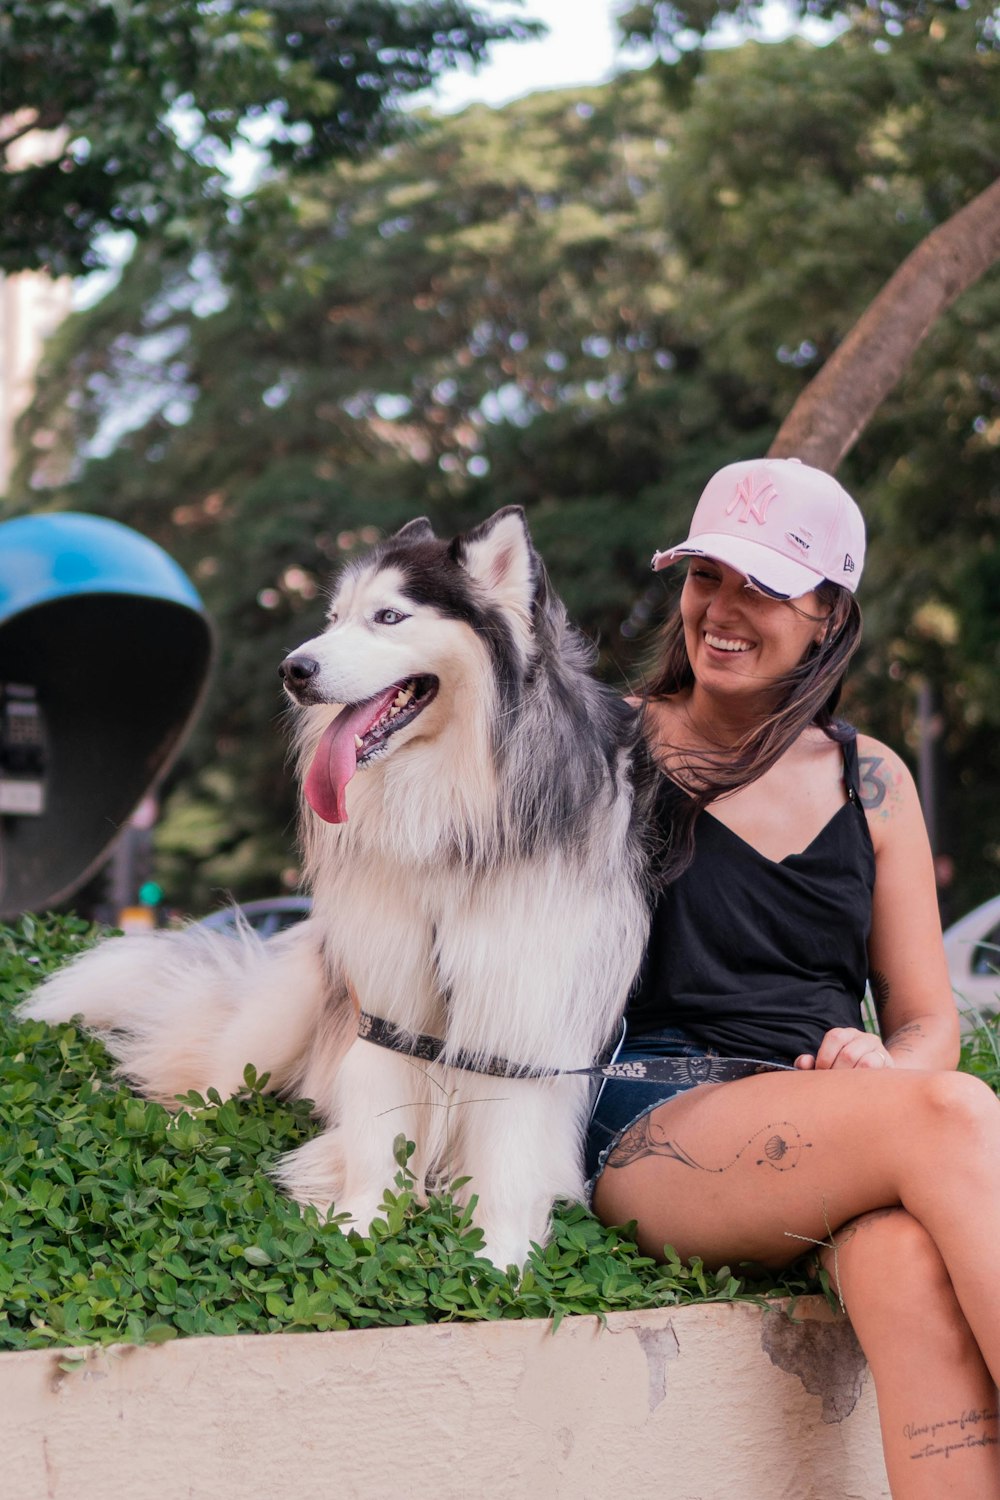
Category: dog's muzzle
<point>297,673</point>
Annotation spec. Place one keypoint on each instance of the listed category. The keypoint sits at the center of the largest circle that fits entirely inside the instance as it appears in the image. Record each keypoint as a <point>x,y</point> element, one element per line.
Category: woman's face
<point>739,641</point>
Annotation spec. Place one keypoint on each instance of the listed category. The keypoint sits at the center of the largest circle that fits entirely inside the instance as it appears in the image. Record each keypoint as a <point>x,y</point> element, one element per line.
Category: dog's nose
<point>296,671</point>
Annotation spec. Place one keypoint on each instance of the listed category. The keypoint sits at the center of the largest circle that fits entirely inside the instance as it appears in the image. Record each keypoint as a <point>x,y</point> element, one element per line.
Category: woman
<point>798,866</point>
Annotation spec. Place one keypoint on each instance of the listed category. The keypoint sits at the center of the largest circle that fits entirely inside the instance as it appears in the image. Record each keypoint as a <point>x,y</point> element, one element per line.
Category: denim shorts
<point>622,1101</point>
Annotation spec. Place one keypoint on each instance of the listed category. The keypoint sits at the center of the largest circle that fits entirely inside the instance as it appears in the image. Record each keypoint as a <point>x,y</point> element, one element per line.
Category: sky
<point>581,47</point>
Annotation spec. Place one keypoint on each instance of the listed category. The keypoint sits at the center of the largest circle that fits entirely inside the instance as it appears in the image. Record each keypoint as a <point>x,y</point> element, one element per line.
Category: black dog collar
<point>689,1070</point>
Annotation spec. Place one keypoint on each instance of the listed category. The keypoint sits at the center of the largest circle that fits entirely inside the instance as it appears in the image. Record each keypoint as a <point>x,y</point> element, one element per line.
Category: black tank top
<point>757,957</point>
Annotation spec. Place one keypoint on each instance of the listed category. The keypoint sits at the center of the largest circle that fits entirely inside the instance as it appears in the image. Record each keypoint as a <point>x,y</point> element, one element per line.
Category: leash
<point>691,1070</point>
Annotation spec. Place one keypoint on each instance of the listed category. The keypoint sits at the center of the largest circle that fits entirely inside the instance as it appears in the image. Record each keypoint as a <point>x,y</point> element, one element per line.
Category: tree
<point>348,379</point>
<point>583,303</point>
<point>146,101</point>
<point>829,416</point>
<point>919,189</point>
<point>837,405</point>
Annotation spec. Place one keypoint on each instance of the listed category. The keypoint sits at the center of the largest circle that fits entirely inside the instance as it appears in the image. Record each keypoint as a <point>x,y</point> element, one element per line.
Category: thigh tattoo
<point>780,1143</point>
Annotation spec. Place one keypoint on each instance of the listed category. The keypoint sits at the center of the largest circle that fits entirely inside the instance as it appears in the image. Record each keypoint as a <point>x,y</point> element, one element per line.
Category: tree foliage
<point>685,28</point>
<point>147,100</point>
<point>583,303</point>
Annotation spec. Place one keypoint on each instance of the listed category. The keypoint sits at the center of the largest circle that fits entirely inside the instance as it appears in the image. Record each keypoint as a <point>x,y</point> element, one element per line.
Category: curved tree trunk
<point>836,406</point>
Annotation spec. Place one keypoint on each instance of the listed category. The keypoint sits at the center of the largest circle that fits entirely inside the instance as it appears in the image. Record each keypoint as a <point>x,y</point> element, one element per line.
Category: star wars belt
<point>703,1068</point>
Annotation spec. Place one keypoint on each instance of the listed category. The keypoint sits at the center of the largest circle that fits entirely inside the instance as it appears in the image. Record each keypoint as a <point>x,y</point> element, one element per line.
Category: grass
<point>123,1222</point>
<point>981,1047</point>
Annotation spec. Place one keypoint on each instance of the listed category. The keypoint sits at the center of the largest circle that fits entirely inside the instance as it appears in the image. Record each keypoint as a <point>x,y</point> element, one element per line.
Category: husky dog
<point>474,823</point>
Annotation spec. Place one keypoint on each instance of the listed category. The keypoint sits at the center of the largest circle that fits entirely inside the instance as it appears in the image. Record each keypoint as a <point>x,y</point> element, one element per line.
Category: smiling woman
<point>739,638</point>
<point>751,664</point>
<point>797,868</point>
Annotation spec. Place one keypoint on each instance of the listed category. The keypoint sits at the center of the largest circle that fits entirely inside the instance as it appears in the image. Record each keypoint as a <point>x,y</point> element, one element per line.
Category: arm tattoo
<point>903,1038</point>
<point>782,1147</point>
<point>880,789</point>
<point>872,779</point>
<point>880,990</point>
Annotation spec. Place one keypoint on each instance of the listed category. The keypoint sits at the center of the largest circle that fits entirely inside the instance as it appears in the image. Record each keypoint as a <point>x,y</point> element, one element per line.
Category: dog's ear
<point>419,530</point>
<point>498,554</point>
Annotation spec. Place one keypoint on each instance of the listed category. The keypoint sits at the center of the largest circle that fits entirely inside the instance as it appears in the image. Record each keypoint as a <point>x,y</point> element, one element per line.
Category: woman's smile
<point>740,639</point>
<point>727,643</point>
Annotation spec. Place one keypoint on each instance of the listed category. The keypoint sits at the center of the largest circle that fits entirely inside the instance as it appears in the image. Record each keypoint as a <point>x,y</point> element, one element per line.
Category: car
<point>972,947</point>
<point>267,916</point>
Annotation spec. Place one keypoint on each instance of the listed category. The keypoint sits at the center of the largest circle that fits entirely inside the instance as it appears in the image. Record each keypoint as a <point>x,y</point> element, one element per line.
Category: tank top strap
<point>852,770</point>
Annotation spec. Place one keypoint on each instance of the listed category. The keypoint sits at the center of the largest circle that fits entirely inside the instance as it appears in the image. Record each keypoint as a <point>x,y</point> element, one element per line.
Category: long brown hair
<point>807,695</point>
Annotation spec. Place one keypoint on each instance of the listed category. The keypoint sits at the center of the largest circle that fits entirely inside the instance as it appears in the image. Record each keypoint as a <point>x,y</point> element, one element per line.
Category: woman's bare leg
<point>753,1170</point>
<point>936,1399</point>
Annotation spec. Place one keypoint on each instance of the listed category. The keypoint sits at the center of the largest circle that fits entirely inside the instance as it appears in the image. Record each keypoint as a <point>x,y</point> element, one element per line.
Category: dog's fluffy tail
<point>189,1010</point>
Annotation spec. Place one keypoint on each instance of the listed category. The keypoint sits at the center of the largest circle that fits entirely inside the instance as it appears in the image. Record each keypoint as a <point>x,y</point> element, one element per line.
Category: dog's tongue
<point>336,757</point>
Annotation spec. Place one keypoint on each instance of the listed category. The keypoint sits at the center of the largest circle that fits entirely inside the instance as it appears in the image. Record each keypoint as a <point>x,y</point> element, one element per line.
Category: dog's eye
<point>389,616</point>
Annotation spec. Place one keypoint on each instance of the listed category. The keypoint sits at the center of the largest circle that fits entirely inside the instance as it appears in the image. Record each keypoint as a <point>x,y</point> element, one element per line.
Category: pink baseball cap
<point>785,525</point>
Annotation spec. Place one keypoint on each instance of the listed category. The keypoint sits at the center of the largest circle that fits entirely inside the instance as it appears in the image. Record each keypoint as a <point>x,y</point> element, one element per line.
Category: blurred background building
<point>32,305</point>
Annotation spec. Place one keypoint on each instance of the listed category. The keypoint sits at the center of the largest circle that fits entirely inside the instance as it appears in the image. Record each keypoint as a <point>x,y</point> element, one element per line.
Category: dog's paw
<point>313,1173</point>
<point>316,1174</point>
<point>363,1211</point>
<point>505,1253</point>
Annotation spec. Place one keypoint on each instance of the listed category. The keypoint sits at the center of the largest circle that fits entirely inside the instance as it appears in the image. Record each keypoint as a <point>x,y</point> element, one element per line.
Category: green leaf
<point>256,1256</point>
<point>159,1333</point>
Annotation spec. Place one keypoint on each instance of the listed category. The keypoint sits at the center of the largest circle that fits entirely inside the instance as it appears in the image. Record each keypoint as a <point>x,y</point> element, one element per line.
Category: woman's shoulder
<point>655,711</point>
<point>664,727</point>
<point>886,789</point>
<point>883,771</point>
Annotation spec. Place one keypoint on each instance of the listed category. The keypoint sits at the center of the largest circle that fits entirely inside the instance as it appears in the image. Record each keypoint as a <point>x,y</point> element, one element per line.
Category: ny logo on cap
<point>755,493</point>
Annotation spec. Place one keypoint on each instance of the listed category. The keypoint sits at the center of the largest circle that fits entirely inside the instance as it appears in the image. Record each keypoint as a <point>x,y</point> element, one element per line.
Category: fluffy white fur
<point>435,887</point>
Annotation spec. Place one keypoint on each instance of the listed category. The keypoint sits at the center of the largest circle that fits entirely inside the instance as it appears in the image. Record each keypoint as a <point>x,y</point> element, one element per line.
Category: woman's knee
<point>893,1280</point>
<point>888,1253</point>
<point>956,1108</point>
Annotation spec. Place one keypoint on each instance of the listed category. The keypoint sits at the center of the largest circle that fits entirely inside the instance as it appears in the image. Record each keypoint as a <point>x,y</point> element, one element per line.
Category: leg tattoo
<point>782,1146</point>
<point>948,1435</point>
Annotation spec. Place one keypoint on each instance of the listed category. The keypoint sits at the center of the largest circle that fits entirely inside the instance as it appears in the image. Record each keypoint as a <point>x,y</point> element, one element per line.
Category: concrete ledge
<point>698,1403</point>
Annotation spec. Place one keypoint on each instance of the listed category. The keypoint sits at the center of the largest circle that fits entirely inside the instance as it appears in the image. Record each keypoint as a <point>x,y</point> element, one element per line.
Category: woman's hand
<point>846,1047</point>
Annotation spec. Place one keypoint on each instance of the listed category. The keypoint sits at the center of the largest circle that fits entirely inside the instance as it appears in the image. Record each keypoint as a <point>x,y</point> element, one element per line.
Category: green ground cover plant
<point>121,1221</point>
<point>981,1048</point>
